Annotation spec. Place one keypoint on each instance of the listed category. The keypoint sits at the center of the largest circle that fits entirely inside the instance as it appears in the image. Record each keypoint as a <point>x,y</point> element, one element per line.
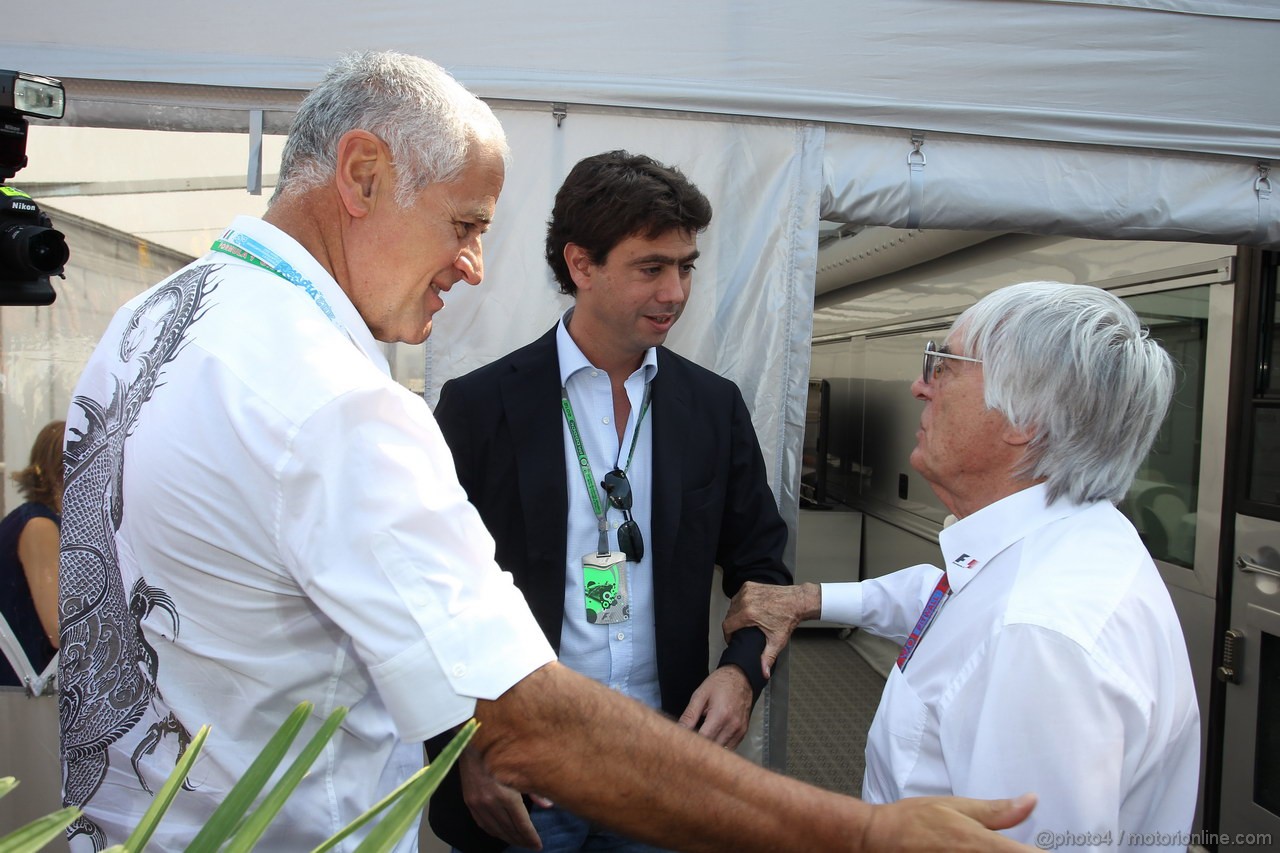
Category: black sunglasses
<point>618,489</point>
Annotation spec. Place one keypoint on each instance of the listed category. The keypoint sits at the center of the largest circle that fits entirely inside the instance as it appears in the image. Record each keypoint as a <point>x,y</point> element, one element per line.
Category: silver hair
<point>1072,364</point>
<point>428,120</point>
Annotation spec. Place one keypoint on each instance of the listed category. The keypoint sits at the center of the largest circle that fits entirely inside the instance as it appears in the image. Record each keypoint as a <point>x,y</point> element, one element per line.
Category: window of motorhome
<point>1161,503</point>
<point>1264,470</point>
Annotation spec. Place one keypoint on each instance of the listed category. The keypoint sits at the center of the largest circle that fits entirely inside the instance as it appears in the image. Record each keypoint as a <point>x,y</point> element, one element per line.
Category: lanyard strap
<point>937,598</point>
<point>584,464</point>
<point>251,251</point>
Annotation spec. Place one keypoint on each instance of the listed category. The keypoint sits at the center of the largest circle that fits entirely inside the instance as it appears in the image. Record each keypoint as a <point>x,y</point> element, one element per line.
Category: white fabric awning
<point>1174,75</point>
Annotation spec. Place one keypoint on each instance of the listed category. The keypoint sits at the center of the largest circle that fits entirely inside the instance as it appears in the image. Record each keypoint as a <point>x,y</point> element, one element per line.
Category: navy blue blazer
<point>711,506</point>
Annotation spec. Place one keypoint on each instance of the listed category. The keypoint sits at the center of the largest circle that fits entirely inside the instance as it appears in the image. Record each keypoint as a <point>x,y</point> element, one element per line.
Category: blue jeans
<point>562,832</point>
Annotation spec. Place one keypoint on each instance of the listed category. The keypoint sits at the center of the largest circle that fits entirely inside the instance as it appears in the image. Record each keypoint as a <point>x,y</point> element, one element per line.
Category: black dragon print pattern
<point>107,674</point>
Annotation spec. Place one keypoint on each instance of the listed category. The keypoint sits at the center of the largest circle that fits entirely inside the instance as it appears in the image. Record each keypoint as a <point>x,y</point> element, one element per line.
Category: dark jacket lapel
<point>531,402</point>
<point>670,419</point>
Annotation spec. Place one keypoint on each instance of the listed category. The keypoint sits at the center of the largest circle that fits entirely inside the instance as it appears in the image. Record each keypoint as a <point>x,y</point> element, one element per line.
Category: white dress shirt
<point>622,655</point>
<point>1056,665</point>
<point>301,510</point>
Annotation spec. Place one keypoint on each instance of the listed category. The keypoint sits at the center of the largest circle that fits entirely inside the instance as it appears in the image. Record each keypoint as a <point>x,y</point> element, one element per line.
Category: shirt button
<point>459,670</point>
<point>621,636</point>
<point>595,373</point>
<point>604,420</point>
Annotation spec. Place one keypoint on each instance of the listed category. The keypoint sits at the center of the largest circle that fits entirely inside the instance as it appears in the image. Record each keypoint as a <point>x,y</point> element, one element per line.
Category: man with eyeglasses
<point>615,474</point>
<point>1046,655</point>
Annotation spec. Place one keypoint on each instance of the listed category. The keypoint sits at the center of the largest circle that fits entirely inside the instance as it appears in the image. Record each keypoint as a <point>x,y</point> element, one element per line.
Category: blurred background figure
<point>29,556</point>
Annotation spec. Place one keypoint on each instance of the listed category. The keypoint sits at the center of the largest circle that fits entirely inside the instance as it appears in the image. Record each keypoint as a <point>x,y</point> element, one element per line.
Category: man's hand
<point>776,610</point>
<point>497,809</point>
<point>722,704</point>
<point>946,823</point>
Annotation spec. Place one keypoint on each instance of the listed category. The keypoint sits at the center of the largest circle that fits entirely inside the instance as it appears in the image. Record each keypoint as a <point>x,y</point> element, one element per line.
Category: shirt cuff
<point>842,603</point>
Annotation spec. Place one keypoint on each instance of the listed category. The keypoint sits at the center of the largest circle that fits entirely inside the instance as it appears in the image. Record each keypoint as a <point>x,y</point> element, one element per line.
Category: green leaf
<point>39,832</point>
<point>437,768</point>
<point>7,784</point>
<point>230,813</point>
<point>408,807</point>
<point>369,814</point>
<point>256,824</point>
<point>146,827</point>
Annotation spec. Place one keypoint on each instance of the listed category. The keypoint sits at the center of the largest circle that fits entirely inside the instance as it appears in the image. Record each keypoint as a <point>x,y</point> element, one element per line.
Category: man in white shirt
<point>1046,655</point>
<point>257,515</point>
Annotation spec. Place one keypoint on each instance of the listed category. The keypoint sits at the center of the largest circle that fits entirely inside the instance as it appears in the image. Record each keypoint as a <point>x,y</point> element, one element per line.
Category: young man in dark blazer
<point>614,476</point>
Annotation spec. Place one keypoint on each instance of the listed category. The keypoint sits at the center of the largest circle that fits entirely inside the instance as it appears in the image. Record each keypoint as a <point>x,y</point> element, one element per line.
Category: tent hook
<point>915,163</point>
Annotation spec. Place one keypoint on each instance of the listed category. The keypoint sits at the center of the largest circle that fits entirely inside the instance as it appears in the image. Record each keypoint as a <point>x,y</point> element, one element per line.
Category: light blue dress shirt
<point>622,656</point>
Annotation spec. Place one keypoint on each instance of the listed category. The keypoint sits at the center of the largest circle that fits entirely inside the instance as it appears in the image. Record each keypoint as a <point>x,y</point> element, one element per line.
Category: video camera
<point>30,249</point>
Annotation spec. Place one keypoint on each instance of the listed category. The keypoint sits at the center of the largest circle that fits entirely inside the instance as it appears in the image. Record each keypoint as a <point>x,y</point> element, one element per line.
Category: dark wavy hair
<point>611,196</point>
<point>41,481</point>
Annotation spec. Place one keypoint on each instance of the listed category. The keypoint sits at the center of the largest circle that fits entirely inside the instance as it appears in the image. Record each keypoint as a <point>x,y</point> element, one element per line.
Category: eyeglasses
<point>933,357</point>
<point>617,487</point>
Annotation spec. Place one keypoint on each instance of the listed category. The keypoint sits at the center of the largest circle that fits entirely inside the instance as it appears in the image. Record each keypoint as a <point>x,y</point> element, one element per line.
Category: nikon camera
<point>30,250</point>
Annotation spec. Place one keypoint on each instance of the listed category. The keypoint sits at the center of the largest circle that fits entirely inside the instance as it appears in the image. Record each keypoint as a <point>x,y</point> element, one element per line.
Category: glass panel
<point>1264,468</point>
<point>813,473</point>
<point>838,467</point>
<point>1162,501</point>
<point>1266,757</point>
<point>1269,347</point>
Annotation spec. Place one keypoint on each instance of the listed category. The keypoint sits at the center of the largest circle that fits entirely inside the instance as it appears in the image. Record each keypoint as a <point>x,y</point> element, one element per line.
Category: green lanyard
<point>247,249</point>
<point>584,464</point>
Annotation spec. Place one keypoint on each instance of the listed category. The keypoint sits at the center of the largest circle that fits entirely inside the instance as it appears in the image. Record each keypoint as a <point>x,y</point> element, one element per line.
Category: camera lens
<point>48,251</point>
<point>32,250</point>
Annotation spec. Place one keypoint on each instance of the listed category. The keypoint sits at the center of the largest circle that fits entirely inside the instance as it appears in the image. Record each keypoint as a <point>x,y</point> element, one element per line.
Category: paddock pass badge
<point>604,584</point>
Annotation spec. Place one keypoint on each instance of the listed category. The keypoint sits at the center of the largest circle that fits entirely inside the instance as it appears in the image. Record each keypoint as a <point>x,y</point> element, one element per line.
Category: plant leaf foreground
<point>236,825</point>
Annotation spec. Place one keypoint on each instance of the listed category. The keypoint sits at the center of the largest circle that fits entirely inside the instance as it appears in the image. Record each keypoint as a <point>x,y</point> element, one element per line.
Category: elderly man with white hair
<point>1046,654</point>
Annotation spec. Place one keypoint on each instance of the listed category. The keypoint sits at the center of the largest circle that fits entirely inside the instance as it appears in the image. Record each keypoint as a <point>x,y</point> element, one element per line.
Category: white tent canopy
<point>1146,119</point>
<point>1175,75</point>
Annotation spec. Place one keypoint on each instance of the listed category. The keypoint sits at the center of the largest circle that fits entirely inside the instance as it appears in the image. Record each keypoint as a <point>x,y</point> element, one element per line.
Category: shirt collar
<point>976,540</point>
<point>572,360</point>
<point>302,261</point>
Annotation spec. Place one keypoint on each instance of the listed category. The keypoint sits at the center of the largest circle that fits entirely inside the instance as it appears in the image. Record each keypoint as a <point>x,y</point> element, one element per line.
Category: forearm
<point>666,785</point>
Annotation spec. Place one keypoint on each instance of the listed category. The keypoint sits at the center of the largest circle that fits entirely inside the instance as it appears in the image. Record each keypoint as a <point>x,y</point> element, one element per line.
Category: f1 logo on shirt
<point>964,561</point>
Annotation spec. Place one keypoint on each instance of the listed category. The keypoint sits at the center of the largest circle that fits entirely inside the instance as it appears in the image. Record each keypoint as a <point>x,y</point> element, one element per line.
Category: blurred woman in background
<point>29,555</point>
